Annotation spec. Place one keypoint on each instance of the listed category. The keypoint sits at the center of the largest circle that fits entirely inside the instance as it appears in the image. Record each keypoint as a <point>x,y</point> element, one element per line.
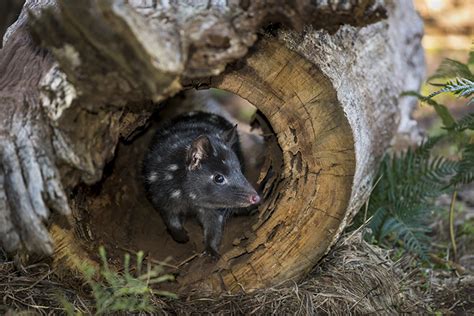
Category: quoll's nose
<point>254,199</point>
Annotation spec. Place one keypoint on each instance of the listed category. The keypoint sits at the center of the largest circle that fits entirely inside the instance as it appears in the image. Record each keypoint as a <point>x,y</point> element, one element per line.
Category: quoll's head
<point>214,175</point>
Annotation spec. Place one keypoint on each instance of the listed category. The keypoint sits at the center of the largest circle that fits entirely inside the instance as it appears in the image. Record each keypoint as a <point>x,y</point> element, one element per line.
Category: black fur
<point>180,173</point>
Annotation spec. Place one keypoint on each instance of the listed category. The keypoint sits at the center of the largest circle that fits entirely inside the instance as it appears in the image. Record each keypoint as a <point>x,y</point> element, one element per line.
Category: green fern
<point>451,68</point>
<point>404,196</point>
<point>409,182</point>
<point>465,172</point>
<point>467,122</point>
<point>462,78</point>
<point>412,235</point>
<point>123,292</point>
<point>442,111</point>
<point>460,87</point>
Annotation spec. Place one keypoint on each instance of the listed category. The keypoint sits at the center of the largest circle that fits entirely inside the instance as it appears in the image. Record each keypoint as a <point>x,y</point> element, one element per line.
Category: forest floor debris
<point>354,277</point>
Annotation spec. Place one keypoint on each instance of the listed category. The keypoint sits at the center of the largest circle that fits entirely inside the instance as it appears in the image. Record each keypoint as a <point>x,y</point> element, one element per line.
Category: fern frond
<point>420,97</point>
<point>403,199</point>
<point>414,237</point>
<point>467,122</point>
<point>427,145</point>
<point>461,87</point>
<point>465,172</point>
<point>416,168</point>
<point>377,220</point>
<point>442,111</point>
<point>451,68</point>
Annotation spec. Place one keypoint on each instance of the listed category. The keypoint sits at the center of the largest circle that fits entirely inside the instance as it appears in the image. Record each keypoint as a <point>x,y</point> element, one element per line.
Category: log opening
<point>115,212</point>
<point>306,181</point>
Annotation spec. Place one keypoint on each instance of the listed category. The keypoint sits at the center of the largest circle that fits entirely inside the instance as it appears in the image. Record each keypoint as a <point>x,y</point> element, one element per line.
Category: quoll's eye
<point>219,179</point>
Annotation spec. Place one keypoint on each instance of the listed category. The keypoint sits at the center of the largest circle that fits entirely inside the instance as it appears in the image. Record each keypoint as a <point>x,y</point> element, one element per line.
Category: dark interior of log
<point>116,214</point>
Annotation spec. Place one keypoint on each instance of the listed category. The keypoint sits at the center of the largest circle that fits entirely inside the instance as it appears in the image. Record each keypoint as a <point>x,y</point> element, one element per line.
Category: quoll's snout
<point>254,199</point>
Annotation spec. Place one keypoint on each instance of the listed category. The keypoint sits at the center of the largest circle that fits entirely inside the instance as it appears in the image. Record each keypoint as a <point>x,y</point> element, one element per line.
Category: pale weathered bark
<point>329,96</point>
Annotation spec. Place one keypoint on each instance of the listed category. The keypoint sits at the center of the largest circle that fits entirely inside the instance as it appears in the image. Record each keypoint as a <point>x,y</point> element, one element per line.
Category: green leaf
<point>444,114</point>
<point>460,87</point>
<point>467,122</point>
<point>465,173</point>
<point>451,68</point>
<point>161,279</point>
<point>166,294</point>
<point>442,111</point>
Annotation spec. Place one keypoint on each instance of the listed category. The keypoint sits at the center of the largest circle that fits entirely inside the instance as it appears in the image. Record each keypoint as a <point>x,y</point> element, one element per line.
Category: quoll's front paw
<point>212,253</point>
<point>180,236</point>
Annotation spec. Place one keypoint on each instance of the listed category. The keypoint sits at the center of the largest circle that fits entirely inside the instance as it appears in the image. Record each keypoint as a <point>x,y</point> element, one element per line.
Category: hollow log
<point>79,79</point>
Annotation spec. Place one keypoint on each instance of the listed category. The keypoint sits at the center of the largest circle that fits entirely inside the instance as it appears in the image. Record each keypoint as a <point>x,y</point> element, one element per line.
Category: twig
<point>162,263</point>
<point>187,260</point>
<point>451,224</point>
<point>36,282</point>
<point>459,268</point>
<point>366,294</point>
<point>454,305</point>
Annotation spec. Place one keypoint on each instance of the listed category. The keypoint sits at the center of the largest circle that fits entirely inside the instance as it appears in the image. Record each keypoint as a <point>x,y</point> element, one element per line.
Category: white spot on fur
<point>192,113</point>
<point>220,218</point>
<point>174,222</point>
<point>223,161</point>
<point>192,195</point>
<point>152,177</point>
<point>172,167</point>
<point>169,176</point>
<point>158,158</point>
<point>176,194</point>
<point>224,147</point>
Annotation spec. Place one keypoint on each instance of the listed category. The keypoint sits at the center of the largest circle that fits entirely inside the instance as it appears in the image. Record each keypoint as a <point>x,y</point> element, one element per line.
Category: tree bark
<point>9,11</point>
<point>329,96</point>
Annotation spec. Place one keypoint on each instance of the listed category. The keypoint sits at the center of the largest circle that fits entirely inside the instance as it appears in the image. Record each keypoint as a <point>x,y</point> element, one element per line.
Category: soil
<point>451,295</point>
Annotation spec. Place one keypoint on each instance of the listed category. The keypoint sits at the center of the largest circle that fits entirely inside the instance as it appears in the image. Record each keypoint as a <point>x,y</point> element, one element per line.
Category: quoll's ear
<point>230,136</point>
<point>199,150</point>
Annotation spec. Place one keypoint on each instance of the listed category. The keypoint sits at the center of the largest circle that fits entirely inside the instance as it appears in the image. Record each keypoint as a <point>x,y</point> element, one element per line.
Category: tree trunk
<point>328,103</point>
